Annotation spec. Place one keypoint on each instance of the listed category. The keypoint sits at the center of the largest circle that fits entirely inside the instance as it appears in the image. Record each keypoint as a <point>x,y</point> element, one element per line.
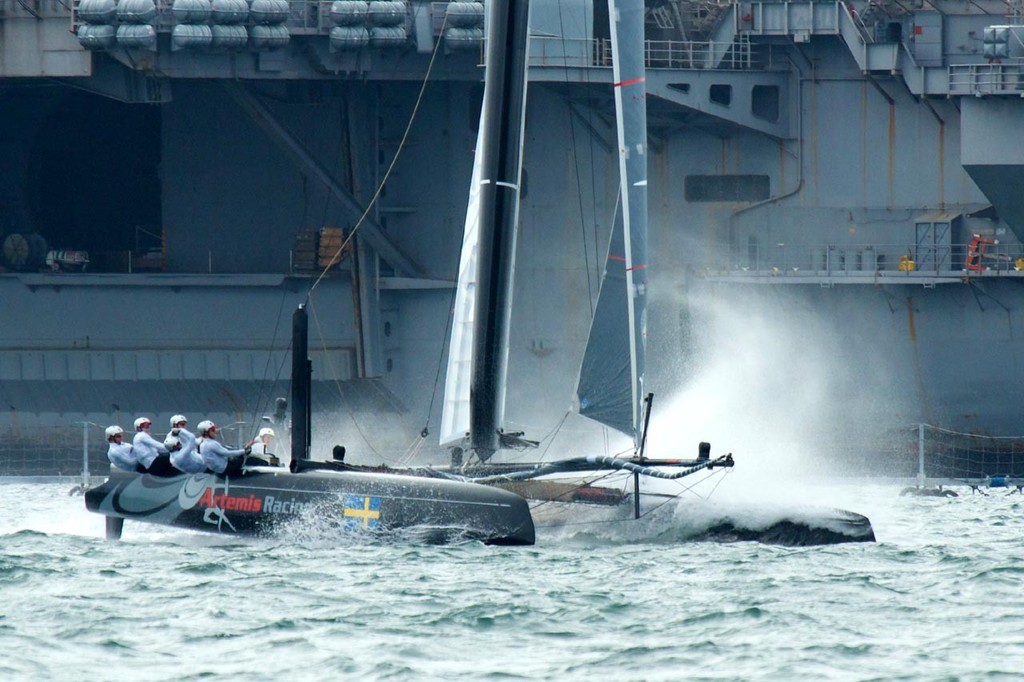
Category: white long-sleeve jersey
<point>187,459</point>
<point>122,455</point>
<point>215,455</point>
<point>147,448</point>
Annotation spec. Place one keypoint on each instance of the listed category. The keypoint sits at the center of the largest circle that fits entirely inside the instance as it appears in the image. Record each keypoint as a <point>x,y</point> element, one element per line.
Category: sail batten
<point>610,387</point>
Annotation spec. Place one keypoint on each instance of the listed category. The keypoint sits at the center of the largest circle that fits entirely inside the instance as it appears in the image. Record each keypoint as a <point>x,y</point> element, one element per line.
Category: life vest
<point>976,251</point>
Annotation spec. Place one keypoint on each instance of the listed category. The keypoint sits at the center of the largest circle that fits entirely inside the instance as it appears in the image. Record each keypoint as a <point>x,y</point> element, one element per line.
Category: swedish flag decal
<point>361,510</point>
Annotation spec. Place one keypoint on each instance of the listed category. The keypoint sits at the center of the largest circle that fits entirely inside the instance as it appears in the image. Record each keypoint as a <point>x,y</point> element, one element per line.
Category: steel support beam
<point>370,231</point>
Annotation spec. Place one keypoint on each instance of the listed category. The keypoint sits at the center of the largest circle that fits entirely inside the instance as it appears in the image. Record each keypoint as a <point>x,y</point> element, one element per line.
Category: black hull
<point>791,526</point>
<point>837,528</point>
<point>261,500</point>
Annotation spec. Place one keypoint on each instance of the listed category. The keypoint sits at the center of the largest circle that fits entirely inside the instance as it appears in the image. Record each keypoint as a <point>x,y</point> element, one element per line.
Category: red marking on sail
<point>617,258</point>
<point>638,267</point>
<point>631,81</point>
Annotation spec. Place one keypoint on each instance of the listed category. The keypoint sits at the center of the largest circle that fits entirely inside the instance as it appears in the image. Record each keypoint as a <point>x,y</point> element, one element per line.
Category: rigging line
<point>336,258</point>
<point>337,381</point>
<point>718,483</point>
<point>599,521</point>
<point>410,451</point>
<point>584,484</point>
<point>444,345</point>
<point>407,455</point>
<point>677,496</point>
<point>690,488</point>
<point>597,479</point>
<point>415,447</point>
<point>552,433</point>
<point>575,157</point>
<point>659,506</point>
<point>266,368</point>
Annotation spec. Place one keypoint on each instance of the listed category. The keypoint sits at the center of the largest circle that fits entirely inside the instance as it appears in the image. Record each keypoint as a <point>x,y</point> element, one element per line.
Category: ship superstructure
<point>846,173</point>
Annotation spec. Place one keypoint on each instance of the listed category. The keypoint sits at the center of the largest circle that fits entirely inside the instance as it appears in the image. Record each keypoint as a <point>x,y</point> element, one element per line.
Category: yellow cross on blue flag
<point>362,511</point>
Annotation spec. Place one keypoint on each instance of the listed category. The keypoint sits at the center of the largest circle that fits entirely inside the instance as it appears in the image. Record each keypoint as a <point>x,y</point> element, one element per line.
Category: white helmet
<point>172,443</point>
<point>114,431</point>
<point>266,431</point>
<point>205,427</point>
<point>177,418</point>
<point>141,421</point>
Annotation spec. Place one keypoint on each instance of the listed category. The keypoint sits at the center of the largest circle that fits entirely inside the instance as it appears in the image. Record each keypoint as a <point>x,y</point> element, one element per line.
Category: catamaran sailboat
<point>468,497</point>
<point>611,381</point>
<point>263,499</point>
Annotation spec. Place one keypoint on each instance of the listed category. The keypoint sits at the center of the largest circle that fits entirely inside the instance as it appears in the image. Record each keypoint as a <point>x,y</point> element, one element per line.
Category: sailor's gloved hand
<point>248,449</point>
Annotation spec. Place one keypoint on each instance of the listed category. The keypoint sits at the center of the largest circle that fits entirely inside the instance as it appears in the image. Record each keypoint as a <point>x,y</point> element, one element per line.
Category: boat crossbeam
<point>596,463</point>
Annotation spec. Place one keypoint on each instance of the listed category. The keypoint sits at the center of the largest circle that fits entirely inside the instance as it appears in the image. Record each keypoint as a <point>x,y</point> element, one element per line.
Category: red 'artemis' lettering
<point>229,503</point>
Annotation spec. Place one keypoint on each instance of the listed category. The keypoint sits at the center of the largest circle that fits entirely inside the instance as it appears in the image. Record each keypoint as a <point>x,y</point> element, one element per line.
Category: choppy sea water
<point>939,596</point>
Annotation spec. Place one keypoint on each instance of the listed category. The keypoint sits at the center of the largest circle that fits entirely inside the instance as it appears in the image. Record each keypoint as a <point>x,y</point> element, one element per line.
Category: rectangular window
<point>727,187</point>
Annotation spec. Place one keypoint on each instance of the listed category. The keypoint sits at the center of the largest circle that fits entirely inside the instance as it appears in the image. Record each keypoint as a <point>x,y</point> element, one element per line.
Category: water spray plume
<point>772,382</point>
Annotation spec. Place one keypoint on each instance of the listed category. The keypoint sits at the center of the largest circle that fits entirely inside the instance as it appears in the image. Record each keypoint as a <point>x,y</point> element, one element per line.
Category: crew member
<point>121,454</point>
<point>182,445</point>
<point>261,446</point>
<point>219,459</point>
<point>152,454</point>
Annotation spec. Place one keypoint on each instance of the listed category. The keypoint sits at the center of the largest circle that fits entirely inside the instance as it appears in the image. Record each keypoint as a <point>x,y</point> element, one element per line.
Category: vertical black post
<point>636,495</point>
<point>648,402</point>
<point>302,370</point>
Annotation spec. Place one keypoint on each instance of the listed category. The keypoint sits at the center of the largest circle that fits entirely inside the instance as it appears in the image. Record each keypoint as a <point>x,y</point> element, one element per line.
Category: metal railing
<point>834,260</point>
<point>986,79</point>
<point>133,262</point>
<point>692,54</point>
<point>312,17</point>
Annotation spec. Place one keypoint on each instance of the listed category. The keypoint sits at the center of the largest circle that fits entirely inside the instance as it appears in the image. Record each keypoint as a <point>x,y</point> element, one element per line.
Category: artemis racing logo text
<point>358,509</point>
<point>231,502</point>
<point>276,506</point>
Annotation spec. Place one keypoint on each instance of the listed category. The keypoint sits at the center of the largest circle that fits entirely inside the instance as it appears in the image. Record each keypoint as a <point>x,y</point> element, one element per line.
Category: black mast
<point>504,111</point>
<point>302,372</point>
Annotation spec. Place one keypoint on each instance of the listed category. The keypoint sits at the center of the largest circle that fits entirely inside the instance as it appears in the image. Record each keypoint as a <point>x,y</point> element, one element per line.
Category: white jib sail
<point>455,412</point>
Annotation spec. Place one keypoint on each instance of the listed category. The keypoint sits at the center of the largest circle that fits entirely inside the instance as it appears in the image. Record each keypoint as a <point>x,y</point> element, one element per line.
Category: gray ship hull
<point>816,179</point>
